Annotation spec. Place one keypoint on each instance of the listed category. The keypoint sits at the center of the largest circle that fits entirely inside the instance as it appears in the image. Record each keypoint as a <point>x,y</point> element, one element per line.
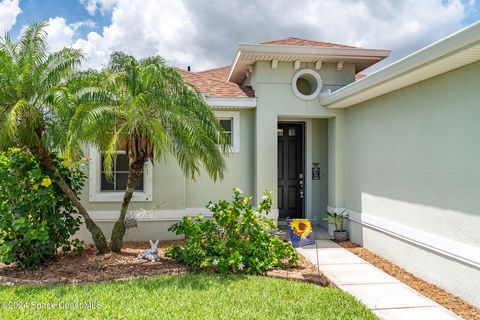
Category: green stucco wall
<point>319,146</point>
<point>254,168</point>
<point>276,101</point>
<point>239,170</point>
<point>171,190</point>
<point>412,156</point>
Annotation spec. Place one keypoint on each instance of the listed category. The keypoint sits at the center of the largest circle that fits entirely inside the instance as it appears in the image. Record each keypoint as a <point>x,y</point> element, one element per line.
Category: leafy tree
<point>36,104</point>
<point>147,109</point>
<point>36,217</point>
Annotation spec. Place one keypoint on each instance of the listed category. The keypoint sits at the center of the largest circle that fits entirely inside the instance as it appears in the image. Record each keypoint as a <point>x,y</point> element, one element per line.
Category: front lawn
<point>189,296</point>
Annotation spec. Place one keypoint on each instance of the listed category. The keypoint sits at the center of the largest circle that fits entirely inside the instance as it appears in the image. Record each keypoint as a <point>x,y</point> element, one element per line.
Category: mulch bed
<point>305,272</point>
<point>442,297</point>
<point>78,268</point>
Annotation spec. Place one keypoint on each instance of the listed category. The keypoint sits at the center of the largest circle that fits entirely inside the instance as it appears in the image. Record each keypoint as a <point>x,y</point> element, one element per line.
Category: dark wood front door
<point>290,170</point>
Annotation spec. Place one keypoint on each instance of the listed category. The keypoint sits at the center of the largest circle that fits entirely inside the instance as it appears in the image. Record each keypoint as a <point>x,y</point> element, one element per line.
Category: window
<point>102,189</point>
<point>118,181</point>
<point>227,125</point>
<point>230,122</point>
<point>306,84</point>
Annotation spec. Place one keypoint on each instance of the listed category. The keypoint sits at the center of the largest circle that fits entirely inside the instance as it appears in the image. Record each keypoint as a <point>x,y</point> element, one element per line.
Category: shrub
<point>237,239</point>
<point>36,218</point>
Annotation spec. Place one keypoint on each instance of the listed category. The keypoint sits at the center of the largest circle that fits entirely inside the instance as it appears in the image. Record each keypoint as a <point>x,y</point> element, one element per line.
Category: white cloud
<point>101,5</point>
<point>86,23</point>
<point>154,27</point>
<point>9,10</point>
<point>61,34</point>
<point>205,34</point>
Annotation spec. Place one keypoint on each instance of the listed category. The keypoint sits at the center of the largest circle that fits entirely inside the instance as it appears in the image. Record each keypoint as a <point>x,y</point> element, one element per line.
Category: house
<point>398,149</point>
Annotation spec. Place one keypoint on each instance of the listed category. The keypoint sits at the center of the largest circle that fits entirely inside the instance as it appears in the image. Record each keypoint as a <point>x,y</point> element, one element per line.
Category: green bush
<point>239,239</point>
<point>36,218</point>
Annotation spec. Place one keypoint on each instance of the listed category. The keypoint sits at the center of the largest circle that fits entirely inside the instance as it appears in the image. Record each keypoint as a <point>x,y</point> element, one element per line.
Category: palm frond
<point>148,105</point>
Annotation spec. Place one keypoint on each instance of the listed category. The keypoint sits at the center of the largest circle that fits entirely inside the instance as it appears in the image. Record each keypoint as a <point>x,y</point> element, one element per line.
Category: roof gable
<point>292,41</point>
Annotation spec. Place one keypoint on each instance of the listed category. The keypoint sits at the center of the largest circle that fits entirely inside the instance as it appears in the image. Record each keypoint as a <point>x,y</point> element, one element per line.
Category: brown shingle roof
<point>213,83</point>
<point>359,76</point>
<point>220,73</point>
<point>292,41</point>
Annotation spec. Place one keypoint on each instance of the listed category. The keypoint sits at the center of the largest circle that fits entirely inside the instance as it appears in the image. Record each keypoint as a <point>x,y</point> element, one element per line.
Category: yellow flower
<point>35,186</point>
<point>46,182</point>
<point>301,227</point>
<point>15,149</point>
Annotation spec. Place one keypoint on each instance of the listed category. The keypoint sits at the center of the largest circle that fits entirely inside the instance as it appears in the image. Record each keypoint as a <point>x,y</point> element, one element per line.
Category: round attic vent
<point>306,84</point>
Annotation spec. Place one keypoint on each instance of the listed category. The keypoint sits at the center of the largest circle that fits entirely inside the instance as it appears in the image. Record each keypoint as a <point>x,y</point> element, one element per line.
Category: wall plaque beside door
<point>315,171</point>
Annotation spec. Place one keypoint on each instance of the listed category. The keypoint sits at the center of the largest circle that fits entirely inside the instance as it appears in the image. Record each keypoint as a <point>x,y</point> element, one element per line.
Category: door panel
<point>290,170</point>
<point>280,198</point>
<point>292,159</point>
<point>280,160</point>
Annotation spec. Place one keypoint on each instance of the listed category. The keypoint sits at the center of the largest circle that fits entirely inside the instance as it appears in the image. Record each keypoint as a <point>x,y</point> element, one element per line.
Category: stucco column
<point>265,154</point>
<point>336,161</point>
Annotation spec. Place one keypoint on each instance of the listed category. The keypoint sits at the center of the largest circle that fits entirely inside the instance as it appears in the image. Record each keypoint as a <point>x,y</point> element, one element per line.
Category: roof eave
<point>231,102</point>
<point>370,56</point>
<point>440,57</point>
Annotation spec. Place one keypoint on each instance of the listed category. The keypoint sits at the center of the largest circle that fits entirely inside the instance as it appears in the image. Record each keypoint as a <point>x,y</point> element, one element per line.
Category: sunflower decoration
<point>301,227</point>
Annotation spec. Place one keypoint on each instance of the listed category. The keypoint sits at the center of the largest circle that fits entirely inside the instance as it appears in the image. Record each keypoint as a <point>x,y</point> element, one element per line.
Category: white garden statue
<point>150,254</point>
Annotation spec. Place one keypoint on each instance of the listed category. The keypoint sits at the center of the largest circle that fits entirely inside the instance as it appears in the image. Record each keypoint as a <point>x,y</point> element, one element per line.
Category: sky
<point>205,34</point>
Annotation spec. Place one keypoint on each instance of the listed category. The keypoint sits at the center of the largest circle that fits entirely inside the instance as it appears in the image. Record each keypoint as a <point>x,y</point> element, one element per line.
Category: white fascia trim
<point>434,52</point>
<point>231,103</point>
<point>313,50</point>
<point>235,61</point>
<point>162,215</point>
<point>456,250</point>
<point>94,180</point>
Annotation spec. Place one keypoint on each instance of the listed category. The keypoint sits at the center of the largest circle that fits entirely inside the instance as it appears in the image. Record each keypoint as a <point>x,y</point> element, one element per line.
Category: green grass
<point>193,296</point>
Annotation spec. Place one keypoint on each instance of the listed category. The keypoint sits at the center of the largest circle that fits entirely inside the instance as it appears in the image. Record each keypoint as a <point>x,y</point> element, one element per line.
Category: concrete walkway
<point>386,296</point>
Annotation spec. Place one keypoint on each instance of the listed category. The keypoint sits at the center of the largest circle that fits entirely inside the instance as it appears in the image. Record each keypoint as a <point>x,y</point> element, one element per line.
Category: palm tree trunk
<point>118,232</point>
<point>97,233</point>
<point>46,162</point>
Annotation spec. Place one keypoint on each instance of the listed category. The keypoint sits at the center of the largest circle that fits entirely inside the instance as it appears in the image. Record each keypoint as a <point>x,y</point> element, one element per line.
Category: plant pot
<point>340,235</point>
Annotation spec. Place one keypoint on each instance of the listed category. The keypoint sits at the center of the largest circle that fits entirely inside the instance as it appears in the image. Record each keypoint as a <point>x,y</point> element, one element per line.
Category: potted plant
<point>338,221</point>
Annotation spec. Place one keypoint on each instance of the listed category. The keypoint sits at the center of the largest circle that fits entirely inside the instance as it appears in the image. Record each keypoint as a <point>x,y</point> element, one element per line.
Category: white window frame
<point>317,78</point>
<point>235,116</point>
<point>95,178</point>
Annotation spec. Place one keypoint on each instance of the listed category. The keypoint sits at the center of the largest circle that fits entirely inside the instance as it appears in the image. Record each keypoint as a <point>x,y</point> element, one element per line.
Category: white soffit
<point>248,54</point>
<point>231,103</point>
<point>455,51</point>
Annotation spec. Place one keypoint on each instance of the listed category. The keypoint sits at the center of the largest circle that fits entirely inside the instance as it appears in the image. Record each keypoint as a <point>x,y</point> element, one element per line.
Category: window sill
<point>118,197</point>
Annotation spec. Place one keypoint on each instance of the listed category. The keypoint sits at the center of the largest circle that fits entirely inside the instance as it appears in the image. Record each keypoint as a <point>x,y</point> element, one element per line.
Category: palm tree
<point>148,108</point>
<point>36,105</point>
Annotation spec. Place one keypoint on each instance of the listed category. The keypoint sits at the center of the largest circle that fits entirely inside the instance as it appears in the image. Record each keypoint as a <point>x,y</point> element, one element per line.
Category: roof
<point>213,83</point>
<point>301,50</point>
<point>452,52</point>
<point>219,73</point>
<point>359,76</point>
<point>292,41</point>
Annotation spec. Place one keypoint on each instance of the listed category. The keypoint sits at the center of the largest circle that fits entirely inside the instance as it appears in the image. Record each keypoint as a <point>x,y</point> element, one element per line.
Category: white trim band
<point>161,215</point>
<point>456,250</point>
